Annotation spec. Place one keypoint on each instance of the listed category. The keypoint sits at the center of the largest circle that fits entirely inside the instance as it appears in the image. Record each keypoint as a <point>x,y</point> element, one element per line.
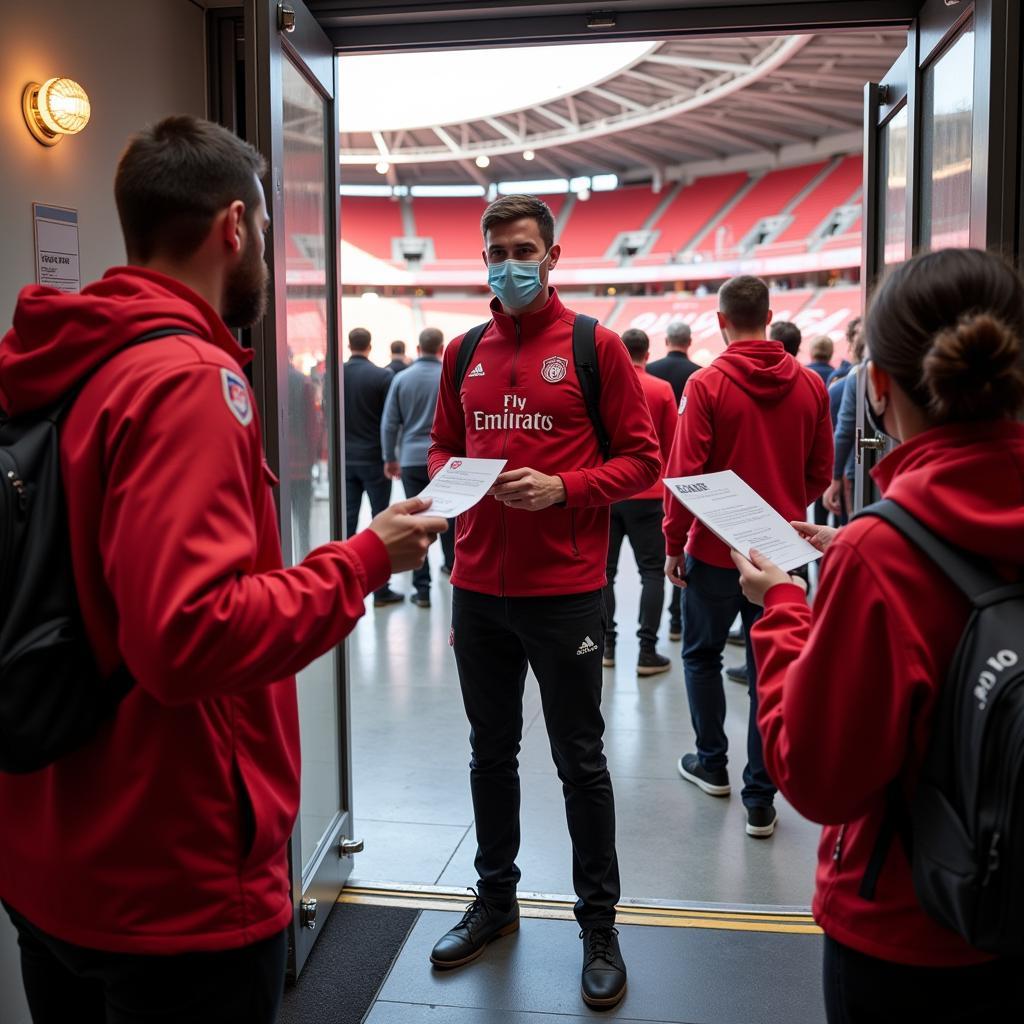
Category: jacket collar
<point>532,323</point>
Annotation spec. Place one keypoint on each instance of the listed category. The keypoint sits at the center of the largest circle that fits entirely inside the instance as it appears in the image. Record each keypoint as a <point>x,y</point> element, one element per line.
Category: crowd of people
<point>146,869</point>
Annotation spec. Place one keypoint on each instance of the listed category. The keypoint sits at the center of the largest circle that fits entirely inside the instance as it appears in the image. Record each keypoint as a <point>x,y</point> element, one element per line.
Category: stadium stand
<point>769,197</point>
<point>370,223</point>
<point>695,205</point>
<point>838,188</point>
<point>593,225</point>
<point>453,224</point>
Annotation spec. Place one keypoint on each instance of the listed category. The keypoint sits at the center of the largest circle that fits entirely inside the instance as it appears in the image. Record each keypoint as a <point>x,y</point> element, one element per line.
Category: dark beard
<point>245,295</point>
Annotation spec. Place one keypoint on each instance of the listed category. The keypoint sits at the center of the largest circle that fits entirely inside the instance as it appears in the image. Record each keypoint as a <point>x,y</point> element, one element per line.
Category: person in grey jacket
<point>409,411</point>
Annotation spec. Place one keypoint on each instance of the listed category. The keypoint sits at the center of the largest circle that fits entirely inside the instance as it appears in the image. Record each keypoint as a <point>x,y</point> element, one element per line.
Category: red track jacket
<point>138,842</point>
<point>846,691</point>
<point>661,400</point>
<point>521,401</point>
<point>757,411</point>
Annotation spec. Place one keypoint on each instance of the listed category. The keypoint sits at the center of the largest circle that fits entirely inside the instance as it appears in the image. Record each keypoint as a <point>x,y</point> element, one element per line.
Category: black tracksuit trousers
<point>561,639</point>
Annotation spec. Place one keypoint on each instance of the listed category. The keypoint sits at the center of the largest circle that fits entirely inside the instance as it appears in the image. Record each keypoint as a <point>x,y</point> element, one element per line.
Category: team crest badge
<point>456,463</point>
<point>236,395</point>
<point>553,369</point>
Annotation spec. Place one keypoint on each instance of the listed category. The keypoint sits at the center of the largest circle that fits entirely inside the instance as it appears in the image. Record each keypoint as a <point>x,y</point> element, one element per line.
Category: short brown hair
<point>174,178</point>
<point>822,348</point>
<point>637,343</point>
<point>788,333</point>
<point>511,208</point>
<point>398,348</point>
<point>743,301</point>
<point>359,339</point>
<point>431,340</point>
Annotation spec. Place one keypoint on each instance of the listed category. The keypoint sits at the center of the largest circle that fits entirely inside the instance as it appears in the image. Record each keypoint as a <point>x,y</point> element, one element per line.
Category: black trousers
<point>414,479</point>
<point>639,520</point>
<point>861,989</point>
<point>66,983</point>
<point>561,639</point>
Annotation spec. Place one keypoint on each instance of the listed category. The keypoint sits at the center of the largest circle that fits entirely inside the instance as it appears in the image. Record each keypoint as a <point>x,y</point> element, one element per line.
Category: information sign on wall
<point>56,229</point>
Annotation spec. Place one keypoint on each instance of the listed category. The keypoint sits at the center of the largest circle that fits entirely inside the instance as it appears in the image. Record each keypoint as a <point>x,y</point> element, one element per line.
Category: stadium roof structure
<point>659,110</point>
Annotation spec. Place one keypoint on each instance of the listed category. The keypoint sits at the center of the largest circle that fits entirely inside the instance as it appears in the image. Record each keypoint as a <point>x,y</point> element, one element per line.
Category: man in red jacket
<point>757,411</point>
<point>639,519</point>
<point>529,571</point>
<point>167,833</point>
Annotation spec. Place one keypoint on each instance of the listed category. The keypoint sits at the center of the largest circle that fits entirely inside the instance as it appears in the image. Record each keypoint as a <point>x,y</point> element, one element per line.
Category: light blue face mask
<point>515,282</point>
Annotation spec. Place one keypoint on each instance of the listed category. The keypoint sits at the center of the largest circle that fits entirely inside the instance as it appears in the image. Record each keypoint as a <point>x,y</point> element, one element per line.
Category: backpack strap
<point>975,579</point>
<point>467,347</point>
<point>584,354</point>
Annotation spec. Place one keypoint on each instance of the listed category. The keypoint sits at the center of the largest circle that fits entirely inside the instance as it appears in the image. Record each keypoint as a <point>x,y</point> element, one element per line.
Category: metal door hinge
<point>869,444</point>
<point>307,913</point>
<point>285,18</point>
<point>347,847</point>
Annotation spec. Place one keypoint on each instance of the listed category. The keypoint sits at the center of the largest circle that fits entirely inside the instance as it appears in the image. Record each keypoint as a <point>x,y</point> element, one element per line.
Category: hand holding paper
<point>461,484</point>
<point>741,518</point>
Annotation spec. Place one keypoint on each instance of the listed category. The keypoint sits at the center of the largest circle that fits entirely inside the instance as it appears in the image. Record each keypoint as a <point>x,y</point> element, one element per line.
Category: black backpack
<point>584,357</point>
<point>52,696</point>
<point>963,830</point>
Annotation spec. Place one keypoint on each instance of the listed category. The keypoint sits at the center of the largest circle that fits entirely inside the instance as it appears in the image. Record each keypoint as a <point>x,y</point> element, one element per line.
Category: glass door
<point>941,137</point>
<point>292,109</point>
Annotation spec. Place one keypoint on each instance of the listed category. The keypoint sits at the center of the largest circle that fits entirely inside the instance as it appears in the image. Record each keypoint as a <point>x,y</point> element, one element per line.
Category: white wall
<point>139,60</point>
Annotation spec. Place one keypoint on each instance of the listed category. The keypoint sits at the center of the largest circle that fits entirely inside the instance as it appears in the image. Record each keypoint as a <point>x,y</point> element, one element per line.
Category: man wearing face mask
<point>529,573</point>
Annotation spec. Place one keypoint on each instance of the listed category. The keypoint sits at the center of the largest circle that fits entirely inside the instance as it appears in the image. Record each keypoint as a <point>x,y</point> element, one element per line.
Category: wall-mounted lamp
<point>54,109</point>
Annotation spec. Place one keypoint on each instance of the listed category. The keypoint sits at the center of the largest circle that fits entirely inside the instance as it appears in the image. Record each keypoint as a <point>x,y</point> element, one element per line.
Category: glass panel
<point>893,192</point>
<point>305,220</point>
<point>946,137</point>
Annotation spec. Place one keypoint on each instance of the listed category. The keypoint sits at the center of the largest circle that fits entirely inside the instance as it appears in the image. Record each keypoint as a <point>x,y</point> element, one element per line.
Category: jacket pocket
<point>246,813</point>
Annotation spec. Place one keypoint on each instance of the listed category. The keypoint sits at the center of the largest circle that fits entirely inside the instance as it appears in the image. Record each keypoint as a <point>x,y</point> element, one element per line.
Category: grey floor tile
<point>404,852</point>
<point>690,975</point>
<point>411,1013</point>
<point>410,754</point>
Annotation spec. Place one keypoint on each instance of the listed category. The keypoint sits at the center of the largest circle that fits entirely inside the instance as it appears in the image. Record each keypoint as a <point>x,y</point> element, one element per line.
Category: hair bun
<point>974,370</point>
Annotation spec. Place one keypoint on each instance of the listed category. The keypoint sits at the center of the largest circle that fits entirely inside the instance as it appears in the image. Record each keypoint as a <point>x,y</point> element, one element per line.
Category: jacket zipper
<point>10,478</point>
<point>837,851</point>
<point>504,452</point>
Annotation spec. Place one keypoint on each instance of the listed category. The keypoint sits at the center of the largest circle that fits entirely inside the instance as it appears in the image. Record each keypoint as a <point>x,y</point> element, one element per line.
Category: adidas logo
<point>587,647</point>
<point>477,371</point>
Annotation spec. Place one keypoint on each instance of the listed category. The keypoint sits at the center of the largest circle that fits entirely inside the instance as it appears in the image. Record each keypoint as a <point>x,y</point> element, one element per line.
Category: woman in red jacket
<point>847,689</point>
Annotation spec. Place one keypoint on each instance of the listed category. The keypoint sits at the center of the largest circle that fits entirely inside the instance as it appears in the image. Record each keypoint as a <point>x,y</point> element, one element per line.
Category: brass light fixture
<point>58,107</point>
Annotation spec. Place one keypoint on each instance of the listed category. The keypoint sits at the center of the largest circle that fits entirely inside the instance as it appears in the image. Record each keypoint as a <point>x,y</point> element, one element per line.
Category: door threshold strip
<point>659,914</point>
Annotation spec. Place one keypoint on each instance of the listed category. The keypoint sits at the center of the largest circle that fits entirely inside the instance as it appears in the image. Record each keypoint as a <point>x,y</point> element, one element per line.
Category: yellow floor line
<point>658,917</point>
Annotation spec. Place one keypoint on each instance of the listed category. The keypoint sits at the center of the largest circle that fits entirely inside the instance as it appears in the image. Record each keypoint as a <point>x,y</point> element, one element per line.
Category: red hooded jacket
<point>661,400</point>
<point>846,690</point>
<point>521,401</point>
<point>167,832</point>
<point>757,411</point>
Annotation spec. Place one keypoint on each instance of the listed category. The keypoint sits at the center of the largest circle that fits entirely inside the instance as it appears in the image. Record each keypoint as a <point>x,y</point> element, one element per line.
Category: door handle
<point>868,444</point>
<point>347,847</point>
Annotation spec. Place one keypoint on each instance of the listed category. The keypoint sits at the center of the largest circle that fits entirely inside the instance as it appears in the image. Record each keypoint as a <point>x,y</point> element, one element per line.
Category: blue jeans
<point>710,602</point>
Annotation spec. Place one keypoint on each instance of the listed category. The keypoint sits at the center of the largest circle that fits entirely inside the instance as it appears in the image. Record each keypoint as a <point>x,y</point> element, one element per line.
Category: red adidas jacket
<point>520,400</point>
<point>661,401</point>
<point>846,690</point>
<point>139,841</point>
<point>757,411</point>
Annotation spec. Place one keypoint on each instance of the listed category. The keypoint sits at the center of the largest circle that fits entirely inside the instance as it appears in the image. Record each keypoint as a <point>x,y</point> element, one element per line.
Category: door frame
<point>270,41</point>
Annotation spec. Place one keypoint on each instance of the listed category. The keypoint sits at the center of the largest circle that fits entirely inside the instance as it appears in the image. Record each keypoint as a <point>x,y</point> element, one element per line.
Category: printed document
<point>460,485</point>
<point>737,515</point>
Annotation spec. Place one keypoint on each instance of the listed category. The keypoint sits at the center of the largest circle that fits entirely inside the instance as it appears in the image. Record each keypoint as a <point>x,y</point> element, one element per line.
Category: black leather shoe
<point>603,983</point>
<point>387,596</point>
<point>481,923</point>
